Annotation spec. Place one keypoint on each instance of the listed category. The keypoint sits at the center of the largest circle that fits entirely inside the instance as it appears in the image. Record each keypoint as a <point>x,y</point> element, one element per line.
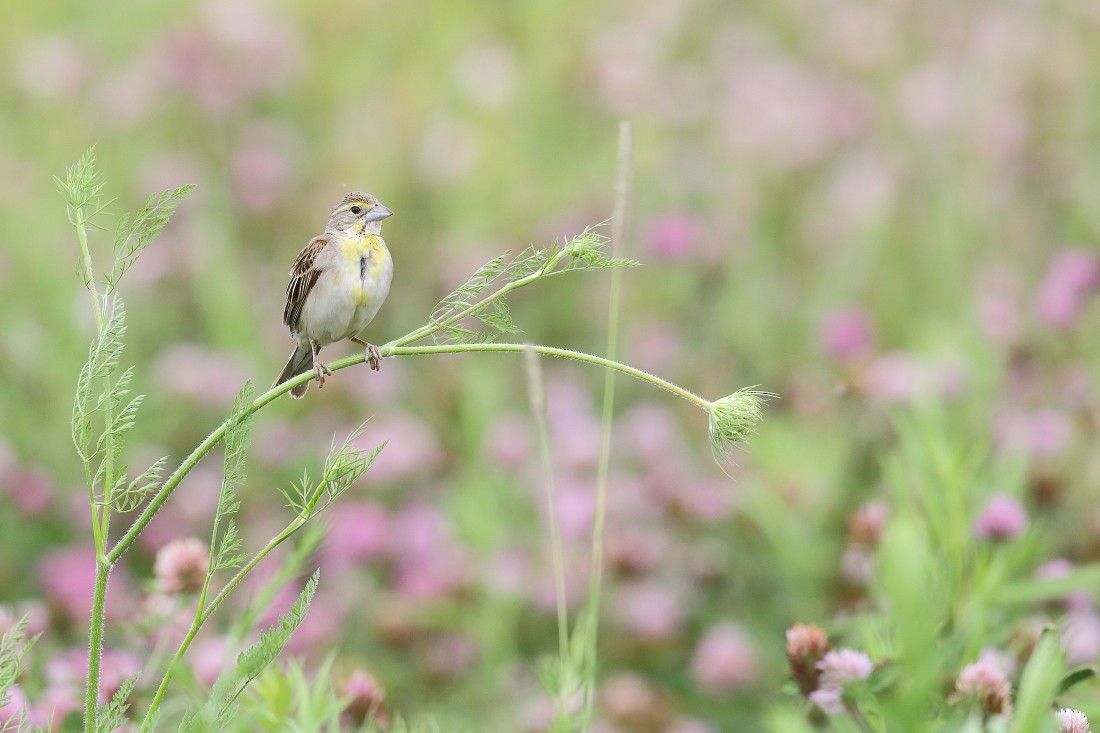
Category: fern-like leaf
<point>112,716</point>
<point>133,235</point>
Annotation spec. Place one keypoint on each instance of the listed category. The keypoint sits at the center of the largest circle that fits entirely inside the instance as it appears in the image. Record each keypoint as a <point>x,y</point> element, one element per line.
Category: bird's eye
<point>357,210</point>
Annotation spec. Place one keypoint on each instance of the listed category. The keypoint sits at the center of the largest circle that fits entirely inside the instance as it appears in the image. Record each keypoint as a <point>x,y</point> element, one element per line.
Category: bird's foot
<point>373,357</point>
<point>321,369</point>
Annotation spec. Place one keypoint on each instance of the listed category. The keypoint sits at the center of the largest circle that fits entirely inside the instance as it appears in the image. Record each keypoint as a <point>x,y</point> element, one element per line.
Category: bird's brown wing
<point>303,276</point>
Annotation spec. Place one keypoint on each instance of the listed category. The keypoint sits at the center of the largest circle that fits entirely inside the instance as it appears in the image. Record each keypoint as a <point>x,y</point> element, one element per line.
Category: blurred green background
<point>858,205</point>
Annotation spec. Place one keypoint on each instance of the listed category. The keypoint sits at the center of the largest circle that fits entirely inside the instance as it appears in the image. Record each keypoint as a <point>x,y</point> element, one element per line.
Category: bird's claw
<point>321,369</point>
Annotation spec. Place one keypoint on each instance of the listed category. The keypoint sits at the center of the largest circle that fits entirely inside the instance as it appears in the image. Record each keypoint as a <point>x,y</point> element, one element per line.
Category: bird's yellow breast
<point>364,257</point>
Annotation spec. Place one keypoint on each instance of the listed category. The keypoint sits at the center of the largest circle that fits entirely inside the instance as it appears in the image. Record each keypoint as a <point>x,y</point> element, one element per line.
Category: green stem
<point>537,393</point>
<point>393,350</point>
<point>390,349</point>
<point>101,513</point>
<point>95,644</point>
<point>618,233</point>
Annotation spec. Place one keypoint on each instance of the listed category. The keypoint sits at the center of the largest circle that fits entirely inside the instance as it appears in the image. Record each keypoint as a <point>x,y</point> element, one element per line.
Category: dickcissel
<point>337,285</point>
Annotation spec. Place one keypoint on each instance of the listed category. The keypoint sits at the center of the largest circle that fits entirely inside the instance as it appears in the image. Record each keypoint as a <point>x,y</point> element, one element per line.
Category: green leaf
<point>1039,684</point>
<point>112,716</point>
<point>1034,590</point>
<point>1074,677</point>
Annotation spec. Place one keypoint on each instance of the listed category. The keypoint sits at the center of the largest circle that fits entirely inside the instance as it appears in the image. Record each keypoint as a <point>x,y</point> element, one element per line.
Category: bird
<point>337,284</point>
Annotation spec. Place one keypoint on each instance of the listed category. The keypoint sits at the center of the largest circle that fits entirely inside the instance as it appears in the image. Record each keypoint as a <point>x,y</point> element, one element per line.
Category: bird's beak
<point>378,213</point>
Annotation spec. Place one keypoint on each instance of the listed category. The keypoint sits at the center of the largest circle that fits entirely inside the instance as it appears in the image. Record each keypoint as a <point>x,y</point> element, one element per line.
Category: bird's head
<point>359,212</point>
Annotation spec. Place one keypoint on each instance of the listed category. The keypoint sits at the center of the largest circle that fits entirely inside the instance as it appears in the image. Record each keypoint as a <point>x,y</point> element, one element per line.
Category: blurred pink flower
<point>705,499</point>
<point>364,695</point>
<point>181,565</point>
<point>52,67</point>
<point>631,703</point>
<point>725,659</point>
<point>116,667</point>
<point>67,576</point>
<point>359,531</point>
<point>985,682</point>
<point>241,49</point>
<point>508,442</point>
<point>1060,567</point>
<point>427,561</point>
<point>576,444</point>
<point>649,611</point>
<point>788,112</point>
<point>36,613</point>
<point>1081,636</point>
<point>896,377</point>
<point>1041,434</point>
<point>32,491</point>
<point>209,656</point>
<point>844,666</point>
<point>14,711</point>
<point>450,656</point>
<point>277,439</point>
<point>690,725</point>
<point>1073,275</point>
<point>655,346</point>
<point>846,333</point>
<point>67,671</point>
<point>201,487</point>
<point>1072,721</point>
<point>322,627</point>
<point>930,96</point>
<point>830,698</point>
<point>575,502</point>
<point>54,704</point>
<point>262,167</point>
<point>632,549</point>
<point>674,236</point>
<point>649,432</point>
<point>194,372</point>
<point>998,304</point>
<point>412,449</point>
<point>1003,518</point>
<point>129,95</point>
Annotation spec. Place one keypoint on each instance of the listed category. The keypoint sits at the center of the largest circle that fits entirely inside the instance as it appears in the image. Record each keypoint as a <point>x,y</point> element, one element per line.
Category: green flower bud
<point>733,419</point>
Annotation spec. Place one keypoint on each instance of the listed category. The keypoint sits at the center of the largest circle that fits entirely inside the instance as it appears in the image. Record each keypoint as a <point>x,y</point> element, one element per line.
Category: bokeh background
<point>858,205</point>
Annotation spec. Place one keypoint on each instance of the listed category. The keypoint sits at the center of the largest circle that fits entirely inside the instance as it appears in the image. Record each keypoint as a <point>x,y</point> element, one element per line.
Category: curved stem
<point>393,350</point>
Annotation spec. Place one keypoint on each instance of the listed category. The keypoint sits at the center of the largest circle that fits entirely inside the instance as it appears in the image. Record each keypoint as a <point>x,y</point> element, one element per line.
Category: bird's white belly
<point>345,298</point>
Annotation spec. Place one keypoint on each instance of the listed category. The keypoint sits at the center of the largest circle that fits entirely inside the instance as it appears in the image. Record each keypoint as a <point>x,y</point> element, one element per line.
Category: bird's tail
<point>300,362</point>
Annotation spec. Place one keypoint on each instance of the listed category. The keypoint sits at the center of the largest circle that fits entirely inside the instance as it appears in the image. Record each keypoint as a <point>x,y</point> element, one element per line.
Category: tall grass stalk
<point>536,391</point>
<point>616,247</point>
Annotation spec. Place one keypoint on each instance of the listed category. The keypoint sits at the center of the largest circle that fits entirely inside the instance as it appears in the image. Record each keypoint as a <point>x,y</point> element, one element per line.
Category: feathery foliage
<point>343,466</point>
<point>134,234</point>
<point>225,551</point>
<point>585,251</point>
<point>112,716</point>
